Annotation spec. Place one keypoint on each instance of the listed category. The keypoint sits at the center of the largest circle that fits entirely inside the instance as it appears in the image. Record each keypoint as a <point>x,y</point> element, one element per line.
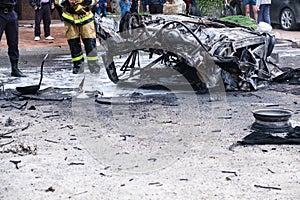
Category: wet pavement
<point>149,151</point>
<point>58,67</point>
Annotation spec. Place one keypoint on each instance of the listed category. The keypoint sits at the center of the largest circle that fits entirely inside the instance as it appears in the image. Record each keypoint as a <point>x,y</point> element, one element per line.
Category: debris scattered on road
<point>271,171</point>
<point>9,122</point>
<point>50,189</point>
<point>50,116</point>
<point>32,108</point>
<point>230,172</point>
<point>267,187</point>
<point>15,105</point>
<point>77,194</point>
<point>67,126</point>
<point>124,137</point>
<point>76,163</point>
<point>52,141</point>
<point>272,120</point>
<point>155,183</point>
<point>26,127</point>
<point>102,174</point>
<point>9,132</point>
<point>2,145</point>
<point>183,179</point>
<point>16,162</point>
<point>152,159</point>
<point>205,51</point>
<point>2,87</point>
<point>262,138</point>
<point>19,149</point>
<point>77,148</point>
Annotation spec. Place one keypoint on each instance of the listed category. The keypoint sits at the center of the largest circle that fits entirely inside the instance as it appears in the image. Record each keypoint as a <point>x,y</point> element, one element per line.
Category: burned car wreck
<point>205,51</point>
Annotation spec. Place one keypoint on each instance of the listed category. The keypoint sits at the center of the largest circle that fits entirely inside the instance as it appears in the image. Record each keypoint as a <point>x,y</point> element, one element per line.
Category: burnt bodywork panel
<point>204,50</point>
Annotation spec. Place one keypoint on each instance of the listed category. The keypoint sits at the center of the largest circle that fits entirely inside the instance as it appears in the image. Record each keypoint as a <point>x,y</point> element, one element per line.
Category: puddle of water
<point>57,77</point>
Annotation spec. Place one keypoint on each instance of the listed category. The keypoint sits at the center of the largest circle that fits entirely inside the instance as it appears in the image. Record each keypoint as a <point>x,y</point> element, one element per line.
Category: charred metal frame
<point>208,48</point>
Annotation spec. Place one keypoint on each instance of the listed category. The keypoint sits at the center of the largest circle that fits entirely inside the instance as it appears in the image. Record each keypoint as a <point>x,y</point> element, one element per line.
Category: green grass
<point>242,20</point>
<point>144,13</point>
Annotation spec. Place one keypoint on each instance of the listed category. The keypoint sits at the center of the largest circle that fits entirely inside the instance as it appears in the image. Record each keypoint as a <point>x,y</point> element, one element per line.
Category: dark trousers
<point>9,25</point>
<point>156,8</point>
<point>43,13</point>
<point>134,8</point>
<point>264,13</point>
<point>145,3</point>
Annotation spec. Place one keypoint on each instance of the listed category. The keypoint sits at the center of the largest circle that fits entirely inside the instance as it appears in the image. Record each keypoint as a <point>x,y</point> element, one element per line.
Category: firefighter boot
<point>77,56</point>
<point>78,67</point>
<point>15,70</point>
<point>91,54</point>
<point>94,67</point>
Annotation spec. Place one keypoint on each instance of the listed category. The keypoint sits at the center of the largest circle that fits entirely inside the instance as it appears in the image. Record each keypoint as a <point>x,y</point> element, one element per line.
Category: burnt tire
<point>190,74</point>
<point>112,72</point>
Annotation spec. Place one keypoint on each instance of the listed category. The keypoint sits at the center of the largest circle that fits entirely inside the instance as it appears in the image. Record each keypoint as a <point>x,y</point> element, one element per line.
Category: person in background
<point>9,24</point>
<point>247,4</point>
<point>193,10</point>
<point>79,24</point>
<point>187,5</point>
<point>263,8</point>
<point>42,10</point>
<point>145,3</point>
<point>193,3</point>
<point>134,7</point>
<point>156,6</point>
<point>101,8</point>
<point>125,6</point>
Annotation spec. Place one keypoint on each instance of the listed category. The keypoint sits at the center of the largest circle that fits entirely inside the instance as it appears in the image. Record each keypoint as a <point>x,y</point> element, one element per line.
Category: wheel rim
<point>286,19</point>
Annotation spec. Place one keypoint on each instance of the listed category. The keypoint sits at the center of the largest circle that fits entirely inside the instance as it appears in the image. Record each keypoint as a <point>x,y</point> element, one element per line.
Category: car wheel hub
<point>286,19</point>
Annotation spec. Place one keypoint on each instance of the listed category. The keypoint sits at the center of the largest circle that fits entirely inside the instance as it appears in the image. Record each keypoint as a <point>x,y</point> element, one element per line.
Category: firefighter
<point>9,25</point>
<point>79,23</point>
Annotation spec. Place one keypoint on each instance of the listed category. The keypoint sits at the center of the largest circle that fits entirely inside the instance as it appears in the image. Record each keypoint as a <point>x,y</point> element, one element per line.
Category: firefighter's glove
<point>78,1</point>
<point>79,9</point>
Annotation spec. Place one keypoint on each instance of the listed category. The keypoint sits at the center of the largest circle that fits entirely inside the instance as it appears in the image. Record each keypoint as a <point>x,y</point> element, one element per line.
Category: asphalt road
<point>168,148</point>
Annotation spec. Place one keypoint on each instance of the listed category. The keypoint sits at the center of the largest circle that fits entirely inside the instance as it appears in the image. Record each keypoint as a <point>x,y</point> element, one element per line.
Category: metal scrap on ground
<point>205,51</point>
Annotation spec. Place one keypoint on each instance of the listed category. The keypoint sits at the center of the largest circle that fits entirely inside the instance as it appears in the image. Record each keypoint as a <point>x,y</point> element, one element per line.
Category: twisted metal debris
<point>207,52</point>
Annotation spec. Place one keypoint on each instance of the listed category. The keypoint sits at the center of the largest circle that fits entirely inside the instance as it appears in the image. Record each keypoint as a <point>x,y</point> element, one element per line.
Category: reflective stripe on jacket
<point>78,19</point>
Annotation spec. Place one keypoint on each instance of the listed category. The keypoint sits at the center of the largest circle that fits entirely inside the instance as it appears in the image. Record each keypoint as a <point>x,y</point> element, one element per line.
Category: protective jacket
<point>79,23</point>
<point>78,14</point>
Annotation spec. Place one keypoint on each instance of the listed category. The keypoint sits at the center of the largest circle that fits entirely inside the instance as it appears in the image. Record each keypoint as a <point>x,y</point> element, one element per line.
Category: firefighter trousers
<point>87,34</point>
